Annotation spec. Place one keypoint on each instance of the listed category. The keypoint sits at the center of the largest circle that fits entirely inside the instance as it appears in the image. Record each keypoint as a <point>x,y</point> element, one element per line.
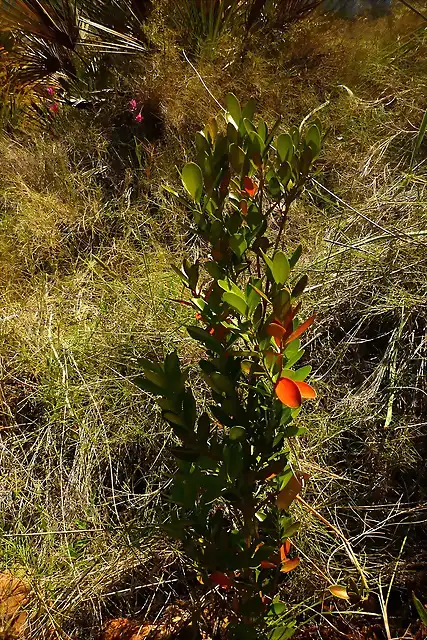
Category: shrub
<point>234,483</point>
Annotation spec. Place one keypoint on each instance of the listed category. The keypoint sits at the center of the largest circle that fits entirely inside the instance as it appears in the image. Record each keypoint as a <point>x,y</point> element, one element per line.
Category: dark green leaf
<point>300,286</point>
<point>223,383</point>
<point>188,455</point>
<point>274,187</point>
<point>201,335</point>
<point>148,386</point>
<point>313,136</point>
<point>295,256</point>
<point>237,158</point>
<point>262,130</point>
<point>189,408</point>
<point>174,418</point>
<point>214,270</point>
<point>237,433</point>
<point>282,633</point>
<point>249,126</point>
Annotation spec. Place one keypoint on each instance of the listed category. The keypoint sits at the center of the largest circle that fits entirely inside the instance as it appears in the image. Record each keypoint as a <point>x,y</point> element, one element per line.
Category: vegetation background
<point>87,237</point>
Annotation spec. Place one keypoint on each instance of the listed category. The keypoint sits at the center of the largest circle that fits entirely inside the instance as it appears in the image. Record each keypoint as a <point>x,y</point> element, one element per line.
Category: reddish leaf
<point>225,182</point>
<point>284,550</point>
<point>276,330</point>
<point>290,315</point>
<point>289,493</point>
<point>306,390</point>
<point>265,564</point>
<point>338,591</point>
<point>289,565</point>
<point>288,393</point>
<point>184,302</point>
<point>244,207</point>
<point>221,579</point>
<point>249,186</point>
<point>300,330</point>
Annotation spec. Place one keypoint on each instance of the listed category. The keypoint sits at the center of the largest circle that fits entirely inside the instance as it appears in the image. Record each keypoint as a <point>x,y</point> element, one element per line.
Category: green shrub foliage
<point>234,483</point>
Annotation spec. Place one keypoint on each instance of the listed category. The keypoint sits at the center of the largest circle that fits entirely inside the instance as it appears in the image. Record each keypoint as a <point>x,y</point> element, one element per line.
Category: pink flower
<point>132,104</point>
<point>53,108</point>
<point>50,91</point>
<point>139,117</point>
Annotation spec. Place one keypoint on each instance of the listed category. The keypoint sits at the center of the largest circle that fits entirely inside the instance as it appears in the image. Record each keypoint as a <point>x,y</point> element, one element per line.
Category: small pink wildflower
<point>53,108</point>
<point>139,117</point>
<point>132,104</point>
<point>50,91</point>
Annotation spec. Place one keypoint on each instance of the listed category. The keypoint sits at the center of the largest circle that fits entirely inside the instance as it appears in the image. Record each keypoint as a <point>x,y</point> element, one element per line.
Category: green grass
<point>87,236</point>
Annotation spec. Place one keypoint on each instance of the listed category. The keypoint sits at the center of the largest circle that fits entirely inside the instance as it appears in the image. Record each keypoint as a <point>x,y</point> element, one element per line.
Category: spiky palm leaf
<point>54,21</point>
<point>50,33</point>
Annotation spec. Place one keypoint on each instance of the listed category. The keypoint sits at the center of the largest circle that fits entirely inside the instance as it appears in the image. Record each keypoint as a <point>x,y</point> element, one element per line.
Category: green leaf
<point>172,368</point>
<point>295,256</point>
<point>313,136</point>
<point>236,302</point>
<point>274,187</point>
<point>174,418</point>
<point>252,297</point>
<point>280,267</point>
<point>189,408</point>
<point>202,145</point>
<point>238,244</point>
<point>282,633</point>
<point>262,130</point>
<point>237,433</point>
<point>249,126</point>
<point>293,431</point>
<point>157,378</point>
<point>284,172</point>
<point>257,143</point>
<point>233,107</point>
<point>295,135</point>
<point>285,147</point>
<point>248,110</point>
<point>214,270</point>
<point>301,374</point>
<point>294,357</point>
<point>188,455</point>
<point>212,129</point>
<point>223,383</point>
<point>281,303</point>
<point>268,261</point>
<point>421,610</point>
<point>292,530</point>
<point>192,179</point>
<point>278,608</point>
